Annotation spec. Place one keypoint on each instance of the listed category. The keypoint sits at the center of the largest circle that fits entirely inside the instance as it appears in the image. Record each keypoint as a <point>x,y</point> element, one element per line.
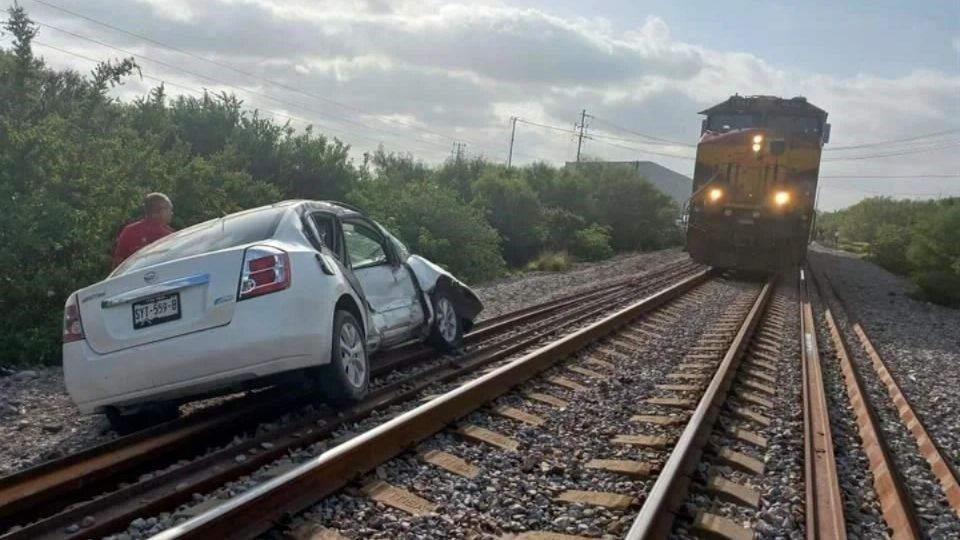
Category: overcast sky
<point>417,76</point>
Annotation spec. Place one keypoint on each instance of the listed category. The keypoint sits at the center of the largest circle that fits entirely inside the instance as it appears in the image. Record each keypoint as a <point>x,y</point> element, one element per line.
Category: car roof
<point>334,207</point>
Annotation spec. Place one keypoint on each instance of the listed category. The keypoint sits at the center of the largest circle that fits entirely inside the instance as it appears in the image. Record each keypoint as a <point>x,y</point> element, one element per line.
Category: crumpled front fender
<point>430,277</point>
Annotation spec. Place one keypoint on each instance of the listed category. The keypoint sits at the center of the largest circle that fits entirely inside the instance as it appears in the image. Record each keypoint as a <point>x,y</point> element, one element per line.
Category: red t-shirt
<point>136,235</point>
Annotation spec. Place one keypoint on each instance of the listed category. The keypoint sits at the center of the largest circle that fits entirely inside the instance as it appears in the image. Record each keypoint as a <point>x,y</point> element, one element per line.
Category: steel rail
<point>32,493</point>
<point>656,516</point>
<point>166,490</point>
<point>896,507</point>
<point>824,507</point>
<point>261,508</point>
<point>940,465</point>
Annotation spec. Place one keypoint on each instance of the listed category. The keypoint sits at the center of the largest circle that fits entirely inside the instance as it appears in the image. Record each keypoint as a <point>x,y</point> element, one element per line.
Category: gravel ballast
<point>516,491</point>
<point>936,517</point>
<point>919,341</point>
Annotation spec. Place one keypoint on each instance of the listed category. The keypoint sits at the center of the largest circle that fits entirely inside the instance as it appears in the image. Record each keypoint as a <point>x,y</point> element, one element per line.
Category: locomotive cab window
<point>804,125</point>
<point>727,122</point>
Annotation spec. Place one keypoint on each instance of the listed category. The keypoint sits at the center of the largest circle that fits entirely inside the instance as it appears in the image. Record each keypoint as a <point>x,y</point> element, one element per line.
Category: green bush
<point>939,286</point>
<point>914,238</point>
<point>889,248</point>
<point>592,243</point>
<point>550,261</point>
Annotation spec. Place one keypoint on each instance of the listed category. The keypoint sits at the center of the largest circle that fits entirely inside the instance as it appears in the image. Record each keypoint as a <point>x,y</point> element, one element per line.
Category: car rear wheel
<point>447,331</point>
<point>346,378</point>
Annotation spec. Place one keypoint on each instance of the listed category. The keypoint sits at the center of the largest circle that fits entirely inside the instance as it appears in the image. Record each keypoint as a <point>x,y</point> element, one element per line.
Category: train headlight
<point>781,198</point>
<point>757,139</point>
<point>756,147</point>
<point>715,194</point>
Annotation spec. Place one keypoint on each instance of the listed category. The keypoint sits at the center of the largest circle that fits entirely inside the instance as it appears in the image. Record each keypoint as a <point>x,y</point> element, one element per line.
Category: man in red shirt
<point>158,211</point>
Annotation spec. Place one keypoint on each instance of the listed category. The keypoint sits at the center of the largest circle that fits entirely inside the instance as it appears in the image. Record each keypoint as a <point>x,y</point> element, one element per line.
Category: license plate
<point>156,310</point>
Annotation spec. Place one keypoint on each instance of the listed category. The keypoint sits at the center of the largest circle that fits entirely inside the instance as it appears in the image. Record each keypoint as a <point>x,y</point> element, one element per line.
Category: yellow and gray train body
<point>755,183</point>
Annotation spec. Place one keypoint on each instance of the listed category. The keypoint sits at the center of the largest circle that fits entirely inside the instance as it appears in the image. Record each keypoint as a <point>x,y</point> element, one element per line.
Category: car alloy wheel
<point>447,320</point>
<point>352,355</point>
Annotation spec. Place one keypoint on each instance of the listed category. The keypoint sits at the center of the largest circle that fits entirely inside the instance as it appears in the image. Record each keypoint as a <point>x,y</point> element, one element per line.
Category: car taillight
<point>72,327</point>
<point>265,270</point>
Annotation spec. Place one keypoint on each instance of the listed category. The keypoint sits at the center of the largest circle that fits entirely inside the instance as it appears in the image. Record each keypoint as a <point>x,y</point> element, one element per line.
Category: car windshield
<point>233,230</point>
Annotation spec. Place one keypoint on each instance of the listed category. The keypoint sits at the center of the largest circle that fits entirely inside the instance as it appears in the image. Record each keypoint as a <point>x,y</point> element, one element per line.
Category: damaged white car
<point>300,286</point>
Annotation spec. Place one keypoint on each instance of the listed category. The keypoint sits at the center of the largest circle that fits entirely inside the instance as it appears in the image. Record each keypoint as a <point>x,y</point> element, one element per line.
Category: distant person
<point>157,212</point>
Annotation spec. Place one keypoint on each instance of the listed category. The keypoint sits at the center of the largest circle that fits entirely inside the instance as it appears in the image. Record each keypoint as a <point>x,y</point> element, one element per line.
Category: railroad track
<point>61,499</point>
<point>564,375</point>
<point>701,433</point>
<point>895,490</point>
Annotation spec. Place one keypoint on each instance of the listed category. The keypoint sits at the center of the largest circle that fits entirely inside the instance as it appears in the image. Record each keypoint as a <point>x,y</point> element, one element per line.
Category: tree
<point>514,210</point>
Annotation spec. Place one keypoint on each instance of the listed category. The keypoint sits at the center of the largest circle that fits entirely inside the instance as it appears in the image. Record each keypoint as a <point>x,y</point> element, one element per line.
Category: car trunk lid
<point>161,301</point>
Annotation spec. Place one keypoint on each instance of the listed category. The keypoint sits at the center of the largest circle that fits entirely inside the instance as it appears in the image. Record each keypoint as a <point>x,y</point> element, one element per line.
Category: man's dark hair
<point>154,202</point>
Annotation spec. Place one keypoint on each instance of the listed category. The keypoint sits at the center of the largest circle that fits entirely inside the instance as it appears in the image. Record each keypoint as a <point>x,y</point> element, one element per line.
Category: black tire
<point>346,378</point>
<point>148,415</point>
<point>446,332</point>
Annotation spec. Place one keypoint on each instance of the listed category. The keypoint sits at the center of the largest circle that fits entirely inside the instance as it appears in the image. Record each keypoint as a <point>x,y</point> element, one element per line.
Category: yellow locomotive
<point>755,182</point>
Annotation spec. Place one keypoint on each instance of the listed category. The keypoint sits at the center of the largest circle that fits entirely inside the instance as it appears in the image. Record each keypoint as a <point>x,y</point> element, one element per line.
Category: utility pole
<point>513,134</point>
<point>458,150</point>
<point>582,127</point>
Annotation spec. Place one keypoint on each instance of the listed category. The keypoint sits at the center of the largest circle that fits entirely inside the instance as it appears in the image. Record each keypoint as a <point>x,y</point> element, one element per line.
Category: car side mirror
<point>826,133</point>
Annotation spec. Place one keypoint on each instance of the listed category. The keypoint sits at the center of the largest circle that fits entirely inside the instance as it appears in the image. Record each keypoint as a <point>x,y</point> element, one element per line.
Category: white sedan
<point>299,287</point>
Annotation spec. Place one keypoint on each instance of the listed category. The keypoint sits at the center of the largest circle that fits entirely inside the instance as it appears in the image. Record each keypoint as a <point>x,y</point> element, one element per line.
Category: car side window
<point>326,231</point>
<point>365,246</point>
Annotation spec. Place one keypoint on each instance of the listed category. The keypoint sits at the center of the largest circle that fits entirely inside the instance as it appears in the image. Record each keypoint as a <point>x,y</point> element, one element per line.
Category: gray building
<point>674,184</point>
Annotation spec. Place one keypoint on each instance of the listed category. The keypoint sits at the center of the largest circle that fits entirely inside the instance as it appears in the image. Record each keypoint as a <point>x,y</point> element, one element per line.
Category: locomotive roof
<point>750,104</point>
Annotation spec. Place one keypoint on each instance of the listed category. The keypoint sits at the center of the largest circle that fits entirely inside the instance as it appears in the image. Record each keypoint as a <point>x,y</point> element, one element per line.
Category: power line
<point>642,151</point>
<point>894,176</point>
<point>547,126</point>
<point>236,69</point>
<point>236,88</point>
<point>892,141</point>
<point>942,145</point>
<point>643,135</point>
<point>197,90</point>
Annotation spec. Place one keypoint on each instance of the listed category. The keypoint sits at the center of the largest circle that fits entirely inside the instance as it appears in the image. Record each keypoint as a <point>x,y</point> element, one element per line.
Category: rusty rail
<point>657,514</point>
<point>824,507</point>
<point>257,510</point>
<point>895,505</point>
<point>939,464</point>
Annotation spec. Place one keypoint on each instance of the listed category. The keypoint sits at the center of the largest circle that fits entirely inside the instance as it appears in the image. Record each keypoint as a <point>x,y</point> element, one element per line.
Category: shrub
<point>592,243</point>
<point>550,261</point>
<point>889,248</point>
<point>939,286</point>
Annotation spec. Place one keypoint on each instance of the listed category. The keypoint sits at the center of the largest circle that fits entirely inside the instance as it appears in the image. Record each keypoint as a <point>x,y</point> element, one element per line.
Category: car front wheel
<point>447,331</point>
<point>346,378</point>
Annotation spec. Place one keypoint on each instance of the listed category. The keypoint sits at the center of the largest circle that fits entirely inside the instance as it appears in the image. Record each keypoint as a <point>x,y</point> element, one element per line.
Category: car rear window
<point>229,231</point>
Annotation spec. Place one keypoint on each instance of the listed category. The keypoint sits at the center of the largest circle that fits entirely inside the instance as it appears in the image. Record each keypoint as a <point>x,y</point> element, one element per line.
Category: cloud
<point>462,70</point>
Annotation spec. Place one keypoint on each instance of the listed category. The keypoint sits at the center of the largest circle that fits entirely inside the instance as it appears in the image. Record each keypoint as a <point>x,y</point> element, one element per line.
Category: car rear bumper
<point>250,347</point>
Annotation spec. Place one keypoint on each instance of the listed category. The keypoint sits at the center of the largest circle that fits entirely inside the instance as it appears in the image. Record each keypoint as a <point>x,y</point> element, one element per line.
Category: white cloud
<point>464,69</point>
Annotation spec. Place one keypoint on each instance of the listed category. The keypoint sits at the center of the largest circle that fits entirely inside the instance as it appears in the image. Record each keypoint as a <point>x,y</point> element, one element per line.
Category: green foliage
<point>550,261</point>
<point>592,243</point>
<point>433,222</point>
<point>514,210</point>
<point>638,215</point>
<point>889,248</point>
<point>914,238</point>
<point>76,162</point>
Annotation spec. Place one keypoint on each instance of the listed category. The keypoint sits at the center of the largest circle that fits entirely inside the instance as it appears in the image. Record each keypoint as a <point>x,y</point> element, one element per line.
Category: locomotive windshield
<point>726,122</point>
<point>806,125</point>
